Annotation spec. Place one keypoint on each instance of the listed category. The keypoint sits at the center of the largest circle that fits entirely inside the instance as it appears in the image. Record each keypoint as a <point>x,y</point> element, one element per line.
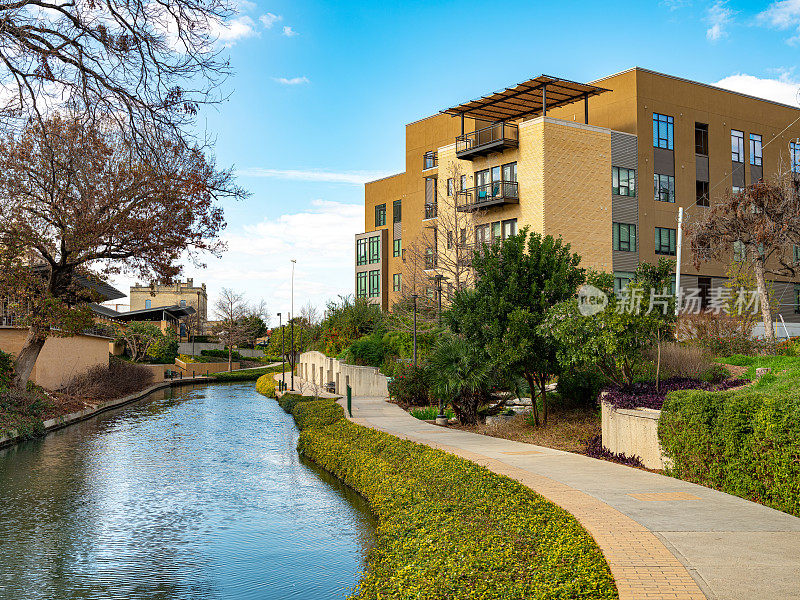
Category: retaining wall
<point>200,369</point>
<point>633,432</point>
<point>320,370</point>
<point>197,347</point>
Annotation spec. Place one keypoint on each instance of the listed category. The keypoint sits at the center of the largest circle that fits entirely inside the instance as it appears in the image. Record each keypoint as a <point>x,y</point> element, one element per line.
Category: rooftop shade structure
<point>159,313</point>
<point>526,99</point>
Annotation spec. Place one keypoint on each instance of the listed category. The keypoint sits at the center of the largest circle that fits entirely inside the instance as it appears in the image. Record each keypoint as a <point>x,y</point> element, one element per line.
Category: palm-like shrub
<point>462,375</point>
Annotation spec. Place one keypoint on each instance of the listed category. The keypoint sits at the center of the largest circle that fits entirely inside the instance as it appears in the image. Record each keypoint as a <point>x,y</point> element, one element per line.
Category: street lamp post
<point>291,317</point>
<point>283,353</point>
<point>414,298</point>
<point>439,278</point>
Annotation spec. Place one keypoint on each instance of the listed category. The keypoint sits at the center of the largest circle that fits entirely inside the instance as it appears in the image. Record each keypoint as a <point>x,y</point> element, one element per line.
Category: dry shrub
<point>718,334</point>
<point>119,379</point>
<point>681,361</point>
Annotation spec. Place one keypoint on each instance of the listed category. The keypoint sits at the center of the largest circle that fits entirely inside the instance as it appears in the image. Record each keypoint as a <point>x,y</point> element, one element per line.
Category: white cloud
<point>269,19</point>
<point>783,89</point>
<point>674,4</point>
<point>257,263</point>
<point>288,31</point>
<point>718,16</point>
<point>783,15</point>
<point>292,81</point>
<point>234,29</point>
<point>317,175</point>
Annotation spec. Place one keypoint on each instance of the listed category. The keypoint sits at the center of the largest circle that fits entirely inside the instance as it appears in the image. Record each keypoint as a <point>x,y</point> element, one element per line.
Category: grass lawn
<point>784,377</point>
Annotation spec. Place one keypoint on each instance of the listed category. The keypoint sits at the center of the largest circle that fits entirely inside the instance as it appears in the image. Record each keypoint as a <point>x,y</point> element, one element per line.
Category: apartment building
<point>575,160</point>
<point>178,295</point>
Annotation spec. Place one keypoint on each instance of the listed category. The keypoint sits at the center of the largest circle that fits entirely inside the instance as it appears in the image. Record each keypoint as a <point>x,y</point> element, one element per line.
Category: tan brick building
<point>575,160</point>
<point>180,293</point>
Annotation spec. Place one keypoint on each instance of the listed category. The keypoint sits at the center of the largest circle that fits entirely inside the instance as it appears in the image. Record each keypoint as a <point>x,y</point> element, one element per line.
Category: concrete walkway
<point>662,537</point>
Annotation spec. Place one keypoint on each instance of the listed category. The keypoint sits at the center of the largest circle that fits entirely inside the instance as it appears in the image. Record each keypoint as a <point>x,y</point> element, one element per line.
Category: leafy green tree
<point>164,349</point>
<point>139,338</point>
<point>613,340</point>
<point>517,281</point>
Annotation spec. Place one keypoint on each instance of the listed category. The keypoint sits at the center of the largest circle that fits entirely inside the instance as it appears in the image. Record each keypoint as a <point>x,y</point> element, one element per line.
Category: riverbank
<point>448,527</point>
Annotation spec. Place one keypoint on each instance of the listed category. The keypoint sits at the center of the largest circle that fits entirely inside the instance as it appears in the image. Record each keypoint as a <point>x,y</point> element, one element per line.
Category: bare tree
<point>760,224</point>
<point>150,65</point>
<point>76,205</point>
<point>237,320</point>
<point>438,262</point>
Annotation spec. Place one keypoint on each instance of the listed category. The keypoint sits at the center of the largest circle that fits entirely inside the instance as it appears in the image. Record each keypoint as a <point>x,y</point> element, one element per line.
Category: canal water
<point>196,493</point>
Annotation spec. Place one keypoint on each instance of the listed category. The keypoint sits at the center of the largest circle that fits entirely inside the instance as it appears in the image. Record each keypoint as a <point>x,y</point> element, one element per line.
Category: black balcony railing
<point>485,196</point>
<point>429,160</point>
<point>494,138</point>
<point>431,211</point>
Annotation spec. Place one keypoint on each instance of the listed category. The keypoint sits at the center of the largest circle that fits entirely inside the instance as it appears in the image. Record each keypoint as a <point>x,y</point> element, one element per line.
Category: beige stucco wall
<point>61,359</point>
<point>319,369</point>
<point>633,432</point>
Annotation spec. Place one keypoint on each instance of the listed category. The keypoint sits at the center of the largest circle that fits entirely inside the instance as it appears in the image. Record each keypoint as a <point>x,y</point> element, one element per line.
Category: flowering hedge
<point>449,528</point>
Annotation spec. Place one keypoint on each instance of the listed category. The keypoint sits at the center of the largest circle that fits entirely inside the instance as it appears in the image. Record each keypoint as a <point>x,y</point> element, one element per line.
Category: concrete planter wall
<point>319,369</point>
<point>633,432</point>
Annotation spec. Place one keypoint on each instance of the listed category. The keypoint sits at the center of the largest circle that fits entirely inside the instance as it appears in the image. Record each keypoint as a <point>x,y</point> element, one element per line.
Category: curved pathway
<point>662,537</point>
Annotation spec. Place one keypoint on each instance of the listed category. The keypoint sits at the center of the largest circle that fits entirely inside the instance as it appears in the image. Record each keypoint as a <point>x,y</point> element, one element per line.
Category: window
<point>621,280</point>
<point>396,248</point>
<point>431,211</point>
<point>449,240</point>
<point>380,215</point>
<point>663,131</point>
<point>623,181</point>
<point>664,187</point>
<point>482,177</point>
<point>702,193</point>
<point>463,182</point>
<point>665,241</point>
<point>794,156</point>
<point>737,146</point>
<point>430,197</point>
<point>397,211</point>
<point>624,237</point>
<point>374,249</point>
<point>361,251</point>
<point>183,302</point>
<point>796,253</point>
<point>510,172</point>
<point>482,234</point>
<point>430,159</point>
<point>701,139</point>
<point>755,150</point>
<point>148,303</point>
<point>509,228</point>
<point>463,235</point>
<point>797,299</point>
<point>449,186</point>
<point>496,171</point>
<point>704,285</point>
<point>361,284</point>
<point>739,252</point>
<point>396,285</point>
<point>430,259</point>
<point>374,284</point>
<point>736,190</point>
<point>497,231</point>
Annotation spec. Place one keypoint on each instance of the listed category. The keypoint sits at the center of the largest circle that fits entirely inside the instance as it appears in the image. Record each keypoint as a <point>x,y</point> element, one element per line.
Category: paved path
<point>662,537</point>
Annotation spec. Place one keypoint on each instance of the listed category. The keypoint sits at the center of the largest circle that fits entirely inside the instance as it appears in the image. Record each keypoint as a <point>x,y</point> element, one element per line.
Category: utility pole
<point>283,353</point>
<point>678,263</point>
<point>291,317</point>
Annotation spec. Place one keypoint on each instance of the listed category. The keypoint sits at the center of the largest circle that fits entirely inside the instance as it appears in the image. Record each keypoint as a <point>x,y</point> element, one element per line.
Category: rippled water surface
<point>196,495</point>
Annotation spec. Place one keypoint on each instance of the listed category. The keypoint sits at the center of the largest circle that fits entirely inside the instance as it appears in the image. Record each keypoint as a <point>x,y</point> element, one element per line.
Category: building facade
<point>575,160</point>
<point>179,294</point>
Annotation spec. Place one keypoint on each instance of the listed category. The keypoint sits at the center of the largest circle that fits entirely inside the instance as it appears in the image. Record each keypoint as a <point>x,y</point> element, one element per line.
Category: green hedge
<point>744,442</point>
<point>244,375</point>
<point>266,385</point>
<point>449,528</point>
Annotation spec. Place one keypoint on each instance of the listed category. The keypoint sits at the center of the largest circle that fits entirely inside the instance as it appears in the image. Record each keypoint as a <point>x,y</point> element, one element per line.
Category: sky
<point>322,92</point>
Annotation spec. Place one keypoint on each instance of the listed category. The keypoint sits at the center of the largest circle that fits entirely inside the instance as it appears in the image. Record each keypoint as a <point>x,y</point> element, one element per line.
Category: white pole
<point>678,263</point>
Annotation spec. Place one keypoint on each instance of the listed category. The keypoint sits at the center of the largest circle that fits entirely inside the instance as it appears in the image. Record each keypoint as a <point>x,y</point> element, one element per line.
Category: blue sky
<point>322,92</point>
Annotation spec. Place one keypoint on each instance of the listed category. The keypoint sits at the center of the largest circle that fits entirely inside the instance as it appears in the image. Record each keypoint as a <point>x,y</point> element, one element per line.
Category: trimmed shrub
<point>244,375</point>
<point>288,401</point>
<point>744,442</point>
<point>449,528</point>
<point>266,385</point>
<point>368,350</point>
<point>429,413</point>
<point>116,380</point>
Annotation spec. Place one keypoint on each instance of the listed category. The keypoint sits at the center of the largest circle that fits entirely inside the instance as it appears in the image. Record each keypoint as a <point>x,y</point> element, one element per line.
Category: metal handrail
<point>487,135</point>
<point>489,193</point>
<point>430,160</point>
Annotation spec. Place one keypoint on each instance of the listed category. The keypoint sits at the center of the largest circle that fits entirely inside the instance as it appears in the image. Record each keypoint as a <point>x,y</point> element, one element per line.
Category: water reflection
<point>200,495</point>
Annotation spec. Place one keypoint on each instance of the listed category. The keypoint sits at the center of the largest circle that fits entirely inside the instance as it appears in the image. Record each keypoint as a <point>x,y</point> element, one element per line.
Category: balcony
<point>430,160</point>
<point>431,211</point>
<point>480,197</point>
<point>497,137</point>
